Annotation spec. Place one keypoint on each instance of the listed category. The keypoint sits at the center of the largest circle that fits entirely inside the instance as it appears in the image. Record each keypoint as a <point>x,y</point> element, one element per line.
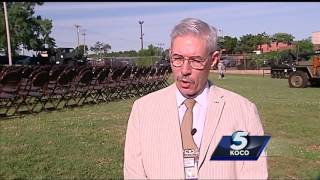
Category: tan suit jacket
<point>153,147</point>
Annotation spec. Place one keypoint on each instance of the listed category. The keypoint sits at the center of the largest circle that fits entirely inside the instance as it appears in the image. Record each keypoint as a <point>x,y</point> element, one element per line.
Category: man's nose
<point>186,68</point>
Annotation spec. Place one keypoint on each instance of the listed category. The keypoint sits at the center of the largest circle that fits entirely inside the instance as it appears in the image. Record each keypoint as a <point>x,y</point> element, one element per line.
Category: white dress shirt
<point>199,111</point>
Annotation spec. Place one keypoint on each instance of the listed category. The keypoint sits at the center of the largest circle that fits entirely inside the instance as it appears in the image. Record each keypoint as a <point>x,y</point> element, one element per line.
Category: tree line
<point>101,49</point>
<point>249,43</point>
<point>32,32</point>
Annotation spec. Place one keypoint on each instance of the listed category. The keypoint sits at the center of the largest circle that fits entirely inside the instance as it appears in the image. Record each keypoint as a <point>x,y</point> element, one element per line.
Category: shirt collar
<point>201,99</point>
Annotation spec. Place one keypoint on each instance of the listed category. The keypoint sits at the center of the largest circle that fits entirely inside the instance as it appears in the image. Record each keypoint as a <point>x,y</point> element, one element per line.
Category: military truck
<point>48,56</point>
<point>306,73</point>
<point>62,56</point>
<point>283,67</point>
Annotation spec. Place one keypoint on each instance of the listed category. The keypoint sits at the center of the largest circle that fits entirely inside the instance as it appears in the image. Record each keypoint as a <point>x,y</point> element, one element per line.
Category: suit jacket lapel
<point>215,107</point>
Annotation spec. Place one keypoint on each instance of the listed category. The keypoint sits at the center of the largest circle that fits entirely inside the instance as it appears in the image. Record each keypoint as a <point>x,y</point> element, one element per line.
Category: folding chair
<point>80,86</point>
<point>136,82</point>
<point>59,92</point>
<point>98,87</point>
<point>9,86</point>
<point>112,87</point>
<point>125,83</point>
<point>32,96</point>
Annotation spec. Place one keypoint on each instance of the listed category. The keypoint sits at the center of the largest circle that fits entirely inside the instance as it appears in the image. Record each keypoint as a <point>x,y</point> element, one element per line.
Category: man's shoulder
<point>230,96</point>
<point>157,96</point>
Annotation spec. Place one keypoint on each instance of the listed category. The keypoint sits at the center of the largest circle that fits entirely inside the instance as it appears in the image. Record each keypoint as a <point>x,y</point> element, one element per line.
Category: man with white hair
<point>173,132</point>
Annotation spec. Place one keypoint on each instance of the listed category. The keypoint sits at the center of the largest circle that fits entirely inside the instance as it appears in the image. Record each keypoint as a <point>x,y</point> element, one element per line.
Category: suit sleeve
<point>133,167</point>
<point>253,169</point>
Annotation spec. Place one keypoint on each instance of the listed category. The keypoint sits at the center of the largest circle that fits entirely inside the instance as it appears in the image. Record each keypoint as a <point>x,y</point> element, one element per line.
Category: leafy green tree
<point>304,45</point>
<point>26,30</point>
<point>131,53</point>
<point>230,44</point>
<point>105,48</point>
<point>246,44</point>
<point>283,37</point>
<point>97,47</point>
<point>79,51</point>
<point>151,51</point>
<point>100,48</point>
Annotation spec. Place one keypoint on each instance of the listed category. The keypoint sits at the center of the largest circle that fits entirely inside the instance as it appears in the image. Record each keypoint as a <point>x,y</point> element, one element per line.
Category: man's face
<point>191,81</point>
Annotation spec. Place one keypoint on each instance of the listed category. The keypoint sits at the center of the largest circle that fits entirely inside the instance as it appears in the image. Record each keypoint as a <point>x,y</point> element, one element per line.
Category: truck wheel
<point>298,79</point>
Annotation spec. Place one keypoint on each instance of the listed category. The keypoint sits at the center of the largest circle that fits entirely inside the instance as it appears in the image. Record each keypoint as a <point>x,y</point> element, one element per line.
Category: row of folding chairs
<point>31,89</point>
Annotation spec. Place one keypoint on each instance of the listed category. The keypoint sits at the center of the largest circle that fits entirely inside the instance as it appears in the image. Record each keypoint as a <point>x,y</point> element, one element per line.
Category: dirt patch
<point>314,148</point>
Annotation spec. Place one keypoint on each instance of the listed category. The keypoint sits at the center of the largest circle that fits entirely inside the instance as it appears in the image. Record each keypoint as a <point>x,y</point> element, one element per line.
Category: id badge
<point>191,172</point>
<point>191,164</point>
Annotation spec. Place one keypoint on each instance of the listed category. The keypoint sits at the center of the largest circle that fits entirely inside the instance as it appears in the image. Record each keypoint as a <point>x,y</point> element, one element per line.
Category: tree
<point>97,47</point>
<point>151,51</point>
<point>304,45</point>
<point>283,37</point>
<point>220,42</point>
<point>106,48</point>
<point>100,48</point>
<point>80,51</point>
<point>130,53</point>
<point>26,30</point>
<point>230,43</point>
<point>246,44</point>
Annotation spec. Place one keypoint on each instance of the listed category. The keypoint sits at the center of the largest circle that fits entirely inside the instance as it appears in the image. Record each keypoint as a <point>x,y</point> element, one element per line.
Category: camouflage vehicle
<point>62,56</point>
<point>305,73</point>
<point>282,69</point>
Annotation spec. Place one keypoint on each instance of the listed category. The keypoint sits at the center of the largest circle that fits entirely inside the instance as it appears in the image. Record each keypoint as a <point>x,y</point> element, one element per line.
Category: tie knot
<point>189,103</point>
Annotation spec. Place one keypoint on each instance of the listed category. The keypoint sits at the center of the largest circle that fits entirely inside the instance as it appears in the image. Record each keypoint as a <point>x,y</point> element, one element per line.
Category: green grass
<point>87,142</point>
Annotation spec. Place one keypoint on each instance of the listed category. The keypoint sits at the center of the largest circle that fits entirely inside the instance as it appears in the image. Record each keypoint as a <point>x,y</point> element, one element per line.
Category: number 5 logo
<point>239,140</point>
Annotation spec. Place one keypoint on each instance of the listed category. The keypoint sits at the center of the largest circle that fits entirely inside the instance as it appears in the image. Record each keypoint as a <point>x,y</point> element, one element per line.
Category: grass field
<point>88,142</point>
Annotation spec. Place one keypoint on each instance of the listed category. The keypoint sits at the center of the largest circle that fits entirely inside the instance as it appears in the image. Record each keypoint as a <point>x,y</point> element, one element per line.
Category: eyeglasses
<point>196,62</point>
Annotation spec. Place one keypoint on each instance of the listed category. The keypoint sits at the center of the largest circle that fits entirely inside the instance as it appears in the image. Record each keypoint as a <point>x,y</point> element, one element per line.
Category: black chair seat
<point>4,95</point>
<point>35,94</point>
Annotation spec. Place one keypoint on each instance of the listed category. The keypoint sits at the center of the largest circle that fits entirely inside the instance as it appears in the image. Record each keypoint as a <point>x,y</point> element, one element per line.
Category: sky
<point>117,23</point>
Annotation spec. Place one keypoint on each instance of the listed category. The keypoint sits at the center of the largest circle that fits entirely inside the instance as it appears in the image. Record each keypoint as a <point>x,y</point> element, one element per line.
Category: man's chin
<point>187,92</point>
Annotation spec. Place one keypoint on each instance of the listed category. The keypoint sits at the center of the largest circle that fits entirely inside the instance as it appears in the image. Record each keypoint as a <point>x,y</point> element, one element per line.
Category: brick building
<point>274,46</point>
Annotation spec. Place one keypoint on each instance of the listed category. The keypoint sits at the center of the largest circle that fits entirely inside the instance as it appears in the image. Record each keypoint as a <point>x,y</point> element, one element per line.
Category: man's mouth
<point>185,83</point>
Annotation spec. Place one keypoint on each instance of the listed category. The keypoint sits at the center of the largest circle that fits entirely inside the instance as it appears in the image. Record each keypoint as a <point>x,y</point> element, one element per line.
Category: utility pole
<point>8,33</point>
<point>141,34</point>
<point>84,42</point>
<point>78,30</point>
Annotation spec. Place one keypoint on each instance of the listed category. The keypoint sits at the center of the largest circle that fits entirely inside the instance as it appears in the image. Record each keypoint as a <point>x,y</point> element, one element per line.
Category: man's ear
<point>215,58</point>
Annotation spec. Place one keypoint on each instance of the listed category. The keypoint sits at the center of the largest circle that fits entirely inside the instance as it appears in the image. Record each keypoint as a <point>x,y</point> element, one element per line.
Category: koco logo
<point>238,142</point>
<point>240,146</point>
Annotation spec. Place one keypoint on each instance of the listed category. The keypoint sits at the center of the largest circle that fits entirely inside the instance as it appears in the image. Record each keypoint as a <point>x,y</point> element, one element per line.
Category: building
<point>316,40</point>
<point>274,46</point>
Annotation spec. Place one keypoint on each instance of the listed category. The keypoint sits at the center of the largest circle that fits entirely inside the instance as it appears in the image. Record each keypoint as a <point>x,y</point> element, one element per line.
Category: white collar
<point>201,99</point>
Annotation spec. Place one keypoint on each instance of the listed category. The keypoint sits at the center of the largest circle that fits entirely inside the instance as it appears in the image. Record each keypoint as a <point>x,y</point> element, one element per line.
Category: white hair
<point>196,27</point>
